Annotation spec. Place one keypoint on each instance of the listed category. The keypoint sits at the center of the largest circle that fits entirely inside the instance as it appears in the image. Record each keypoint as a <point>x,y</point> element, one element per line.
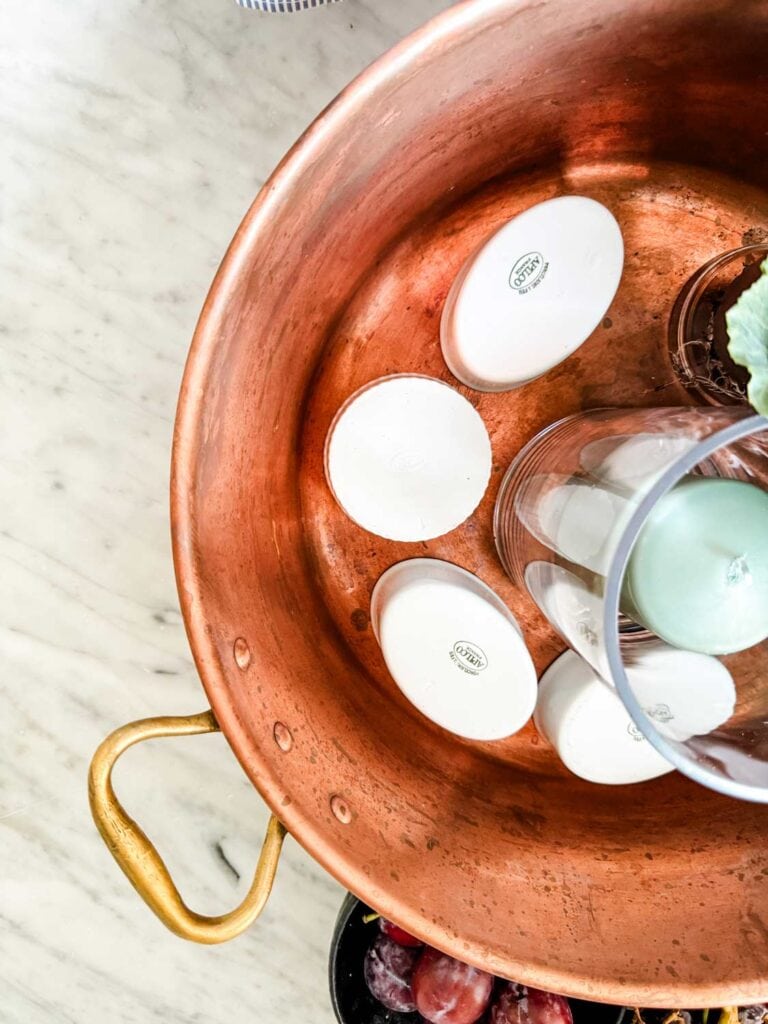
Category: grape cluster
<point>406,976</point>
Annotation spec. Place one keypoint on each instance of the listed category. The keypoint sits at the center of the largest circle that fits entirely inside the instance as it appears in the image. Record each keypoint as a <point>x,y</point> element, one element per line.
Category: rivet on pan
<point>242,653</point>
<point>341,810</point>
<point>283,736</point>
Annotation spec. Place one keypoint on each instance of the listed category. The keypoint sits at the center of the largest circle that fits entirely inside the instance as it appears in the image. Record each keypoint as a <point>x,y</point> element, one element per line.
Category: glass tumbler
<point>642,535</point>
<point>698,337</point>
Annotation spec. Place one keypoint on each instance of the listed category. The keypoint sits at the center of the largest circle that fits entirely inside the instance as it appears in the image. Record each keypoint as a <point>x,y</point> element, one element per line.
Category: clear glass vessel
<point>698,339</point>
<point>642,535</point>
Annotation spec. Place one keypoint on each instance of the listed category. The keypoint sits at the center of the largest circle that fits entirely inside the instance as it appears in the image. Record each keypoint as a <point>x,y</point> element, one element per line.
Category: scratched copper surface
<point>651,895</point>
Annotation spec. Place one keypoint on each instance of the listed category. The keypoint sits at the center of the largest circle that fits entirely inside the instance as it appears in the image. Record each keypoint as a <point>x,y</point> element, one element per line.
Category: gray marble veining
<point>134,135</point>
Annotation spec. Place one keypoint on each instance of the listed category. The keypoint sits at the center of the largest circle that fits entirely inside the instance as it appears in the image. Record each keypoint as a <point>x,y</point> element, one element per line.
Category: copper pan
<point>655,894</point>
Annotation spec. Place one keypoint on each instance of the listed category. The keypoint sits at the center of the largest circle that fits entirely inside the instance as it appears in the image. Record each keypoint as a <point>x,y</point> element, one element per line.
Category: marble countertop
<point>135,134</point>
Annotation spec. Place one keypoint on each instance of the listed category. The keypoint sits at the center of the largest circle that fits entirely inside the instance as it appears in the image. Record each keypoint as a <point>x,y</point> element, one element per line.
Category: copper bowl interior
<point>655,894</point>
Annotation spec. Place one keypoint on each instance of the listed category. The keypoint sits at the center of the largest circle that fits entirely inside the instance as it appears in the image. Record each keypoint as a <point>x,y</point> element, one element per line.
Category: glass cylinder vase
<point>642,535</point>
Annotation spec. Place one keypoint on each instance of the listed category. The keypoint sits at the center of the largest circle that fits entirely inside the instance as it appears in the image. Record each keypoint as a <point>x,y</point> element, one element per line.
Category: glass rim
<point>742,428</point>
<point>681,339</point>
<point>691,290</point>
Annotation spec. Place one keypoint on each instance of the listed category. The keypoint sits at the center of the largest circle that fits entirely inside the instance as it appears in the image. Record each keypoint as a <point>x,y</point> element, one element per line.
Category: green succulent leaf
<point>747,323</point>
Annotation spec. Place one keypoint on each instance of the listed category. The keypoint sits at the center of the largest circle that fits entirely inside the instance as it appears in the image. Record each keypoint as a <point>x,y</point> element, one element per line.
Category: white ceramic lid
<point>532,293</point>
<point>577,519</point>
<point>454,649</point>
<point>574,610</point>
<point>633,462</point>
<point>408,458</point>
<point>585,721</point>
<point>684,693</point>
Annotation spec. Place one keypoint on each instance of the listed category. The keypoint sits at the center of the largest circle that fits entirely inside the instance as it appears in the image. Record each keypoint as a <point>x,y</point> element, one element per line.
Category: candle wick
<point>738,572</point>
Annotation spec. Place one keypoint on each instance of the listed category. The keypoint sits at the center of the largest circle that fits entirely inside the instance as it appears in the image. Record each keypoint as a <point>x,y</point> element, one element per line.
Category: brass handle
<point>139,859</point>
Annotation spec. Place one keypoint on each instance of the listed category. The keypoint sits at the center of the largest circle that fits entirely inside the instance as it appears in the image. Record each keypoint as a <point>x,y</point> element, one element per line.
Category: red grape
<point>517,1004</point>
<point>388,970</point>
<point>398,934</point>
<point>447,991</point>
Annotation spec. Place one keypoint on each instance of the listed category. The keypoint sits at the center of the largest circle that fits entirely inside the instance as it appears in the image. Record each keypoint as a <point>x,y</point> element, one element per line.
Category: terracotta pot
<point>654,895</point>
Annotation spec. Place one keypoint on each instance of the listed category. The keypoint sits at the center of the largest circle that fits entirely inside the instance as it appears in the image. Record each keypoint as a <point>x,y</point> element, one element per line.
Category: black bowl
<point>353,1003</point>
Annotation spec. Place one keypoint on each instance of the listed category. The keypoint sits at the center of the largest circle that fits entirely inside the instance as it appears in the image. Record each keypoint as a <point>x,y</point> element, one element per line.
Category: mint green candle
<point>698,574</point>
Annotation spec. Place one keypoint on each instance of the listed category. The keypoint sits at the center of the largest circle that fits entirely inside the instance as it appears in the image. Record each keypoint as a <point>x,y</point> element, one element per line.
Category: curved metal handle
<point>139,859</point>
